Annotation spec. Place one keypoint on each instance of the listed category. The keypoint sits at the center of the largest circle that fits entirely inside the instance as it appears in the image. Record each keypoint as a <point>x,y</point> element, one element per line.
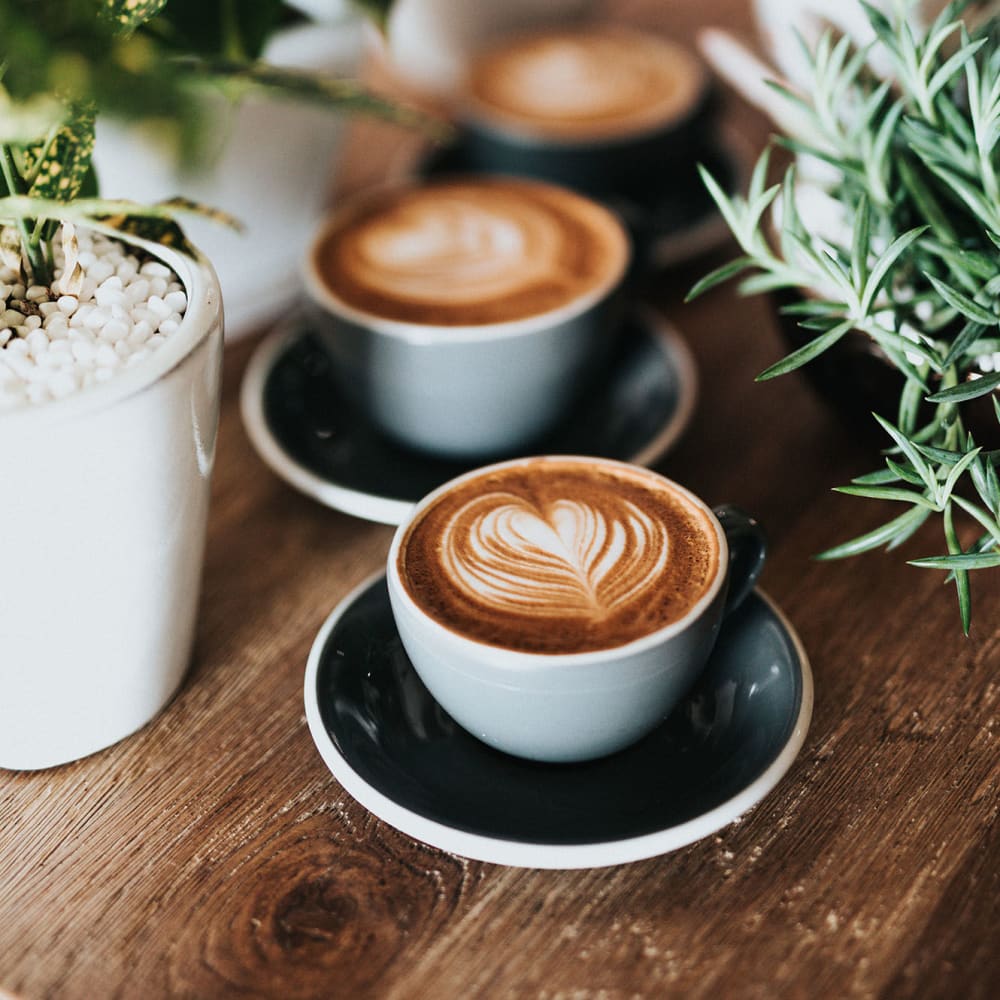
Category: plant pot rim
<point>203,312</point>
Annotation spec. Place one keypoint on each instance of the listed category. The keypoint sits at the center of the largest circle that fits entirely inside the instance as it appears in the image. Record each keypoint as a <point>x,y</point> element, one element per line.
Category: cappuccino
<point>559,556</point>
<point>470,252</point>
<point>596,84</point>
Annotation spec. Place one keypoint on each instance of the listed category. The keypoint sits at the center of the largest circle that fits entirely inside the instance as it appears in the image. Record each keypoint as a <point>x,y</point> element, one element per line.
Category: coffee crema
<point>589,84</point>
<point>559,556</point>
<point>471,252</point>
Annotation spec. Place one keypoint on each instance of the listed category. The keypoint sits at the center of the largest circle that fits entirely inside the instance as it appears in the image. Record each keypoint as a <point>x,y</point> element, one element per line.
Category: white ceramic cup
<point>574,706</point>
<point>468,391</point>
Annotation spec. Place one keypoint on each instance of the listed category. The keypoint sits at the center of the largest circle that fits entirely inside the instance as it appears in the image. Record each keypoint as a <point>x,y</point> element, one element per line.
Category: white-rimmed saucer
<point>399,754</point>
<point>313,438</point>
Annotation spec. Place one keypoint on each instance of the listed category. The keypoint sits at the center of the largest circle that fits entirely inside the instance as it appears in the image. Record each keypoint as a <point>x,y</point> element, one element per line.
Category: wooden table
<point>213,855</point>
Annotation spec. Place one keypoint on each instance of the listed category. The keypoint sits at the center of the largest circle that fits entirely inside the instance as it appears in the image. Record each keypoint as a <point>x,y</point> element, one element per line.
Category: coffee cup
<point>559,607</point>
<point>601,108</point>
<point>465,315</point>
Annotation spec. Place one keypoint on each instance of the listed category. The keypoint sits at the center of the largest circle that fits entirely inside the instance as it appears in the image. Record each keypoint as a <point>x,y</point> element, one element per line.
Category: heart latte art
<point>558,555</point>
<point>568,559</point>
<point>471,252</point>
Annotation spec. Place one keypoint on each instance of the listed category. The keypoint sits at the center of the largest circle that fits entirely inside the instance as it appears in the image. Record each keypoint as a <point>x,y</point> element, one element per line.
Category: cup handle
<point>747,552</point>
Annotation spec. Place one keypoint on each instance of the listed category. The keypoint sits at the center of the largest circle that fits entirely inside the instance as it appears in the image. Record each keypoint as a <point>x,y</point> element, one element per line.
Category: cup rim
<point>420,333</point>
<point>514,659</point>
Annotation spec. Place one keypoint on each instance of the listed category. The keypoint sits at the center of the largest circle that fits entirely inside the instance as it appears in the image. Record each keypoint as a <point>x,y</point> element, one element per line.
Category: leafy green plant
<point>914,161</point>
<point>63,61</point>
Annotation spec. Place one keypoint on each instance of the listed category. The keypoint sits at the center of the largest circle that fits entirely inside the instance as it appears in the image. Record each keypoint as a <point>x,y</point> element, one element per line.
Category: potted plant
<point>110,349</point>
<point>903,255</point>
<point>270,151</point>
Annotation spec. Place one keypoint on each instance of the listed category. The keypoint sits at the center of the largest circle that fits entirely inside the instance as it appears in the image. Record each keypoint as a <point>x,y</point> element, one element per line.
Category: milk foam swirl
<point>567,559</point>
<point>472,251</point>
<point>458,246</point>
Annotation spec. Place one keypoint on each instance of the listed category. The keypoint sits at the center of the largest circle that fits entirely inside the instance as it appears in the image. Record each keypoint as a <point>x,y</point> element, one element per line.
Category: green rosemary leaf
<point>965,561</point>
<point>885,263</point>
<point>806,353</point>
<point>947,488</point>
<point>909,405</point>
<point>908,475</point>
<point>812,307</point>
<point>887,493</point>
<point>718,276</point>
<point>925,199</point>
<point>910,450</point>
<point>902,526</point>
<point>961,576</point>
<point>943,456</point>
<point>768,282</point>
<point>861,243</point>
<point>962,303</point>
<point>970,334</point>
<point>967,390</point>
<point>726,205</point>
<point>880,477</point>
<point>953,65</point>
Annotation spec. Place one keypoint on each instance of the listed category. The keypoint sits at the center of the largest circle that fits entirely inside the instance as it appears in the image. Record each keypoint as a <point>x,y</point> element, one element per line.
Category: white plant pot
<point>272,170</point>
<point>105,505</point>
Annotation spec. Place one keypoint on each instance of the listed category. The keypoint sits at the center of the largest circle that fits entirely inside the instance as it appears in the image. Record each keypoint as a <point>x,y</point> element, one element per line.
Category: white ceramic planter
<point>272,170</point>
<point>105,498</point>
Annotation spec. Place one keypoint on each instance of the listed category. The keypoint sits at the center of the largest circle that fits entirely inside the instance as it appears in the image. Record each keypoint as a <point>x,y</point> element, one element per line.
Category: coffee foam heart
<point>567,558</point>
<point>559,556</point>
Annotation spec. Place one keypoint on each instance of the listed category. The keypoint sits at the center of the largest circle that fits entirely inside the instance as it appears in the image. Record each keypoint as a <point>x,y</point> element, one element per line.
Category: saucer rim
<point>531,854</point>
<point>386,510</point>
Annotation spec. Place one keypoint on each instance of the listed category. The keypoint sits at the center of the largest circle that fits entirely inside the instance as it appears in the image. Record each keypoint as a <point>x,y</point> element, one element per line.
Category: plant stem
<point>32,247</point>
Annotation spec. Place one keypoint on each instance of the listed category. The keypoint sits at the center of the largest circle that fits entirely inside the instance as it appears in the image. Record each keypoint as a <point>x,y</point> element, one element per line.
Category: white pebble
<point>114,330</point>
<point>84,351</point>
<point>106,356</point>
<point>37,342</point>
<point>62,384</point>
<point>123,311</point>
<point>37,392</point>
<point>177,300</point>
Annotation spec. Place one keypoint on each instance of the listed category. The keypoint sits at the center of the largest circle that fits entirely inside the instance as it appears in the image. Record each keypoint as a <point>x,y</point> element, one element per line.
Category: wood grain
<point>213,855</point>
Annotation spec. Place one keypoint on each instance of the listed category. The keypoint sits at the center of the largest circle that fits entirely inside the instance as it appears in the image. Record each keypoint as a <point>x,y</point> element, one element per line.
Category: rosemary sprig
<point>913,161</point>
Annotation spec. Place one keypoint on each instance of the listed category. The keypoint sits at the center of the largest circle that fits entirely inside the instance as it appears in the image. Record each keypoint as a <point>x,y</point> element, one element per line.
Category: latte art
<point>559,555</point>
<point>592,83</point>
<point>569,559</point>
<point>472,252</point>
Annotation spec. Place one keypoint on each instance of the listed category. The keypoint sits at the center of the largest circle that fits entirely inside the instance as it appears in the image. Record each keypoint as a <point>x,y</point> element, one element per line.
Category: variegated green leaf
<point>58,168</point>
<point>127,15</point>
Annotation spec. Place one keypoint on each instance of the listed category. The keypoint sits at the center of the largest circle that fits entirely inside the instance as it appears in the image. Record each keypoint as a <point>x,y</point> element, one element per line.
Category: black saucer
<point>399,754</point>
<point>313,438</point>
